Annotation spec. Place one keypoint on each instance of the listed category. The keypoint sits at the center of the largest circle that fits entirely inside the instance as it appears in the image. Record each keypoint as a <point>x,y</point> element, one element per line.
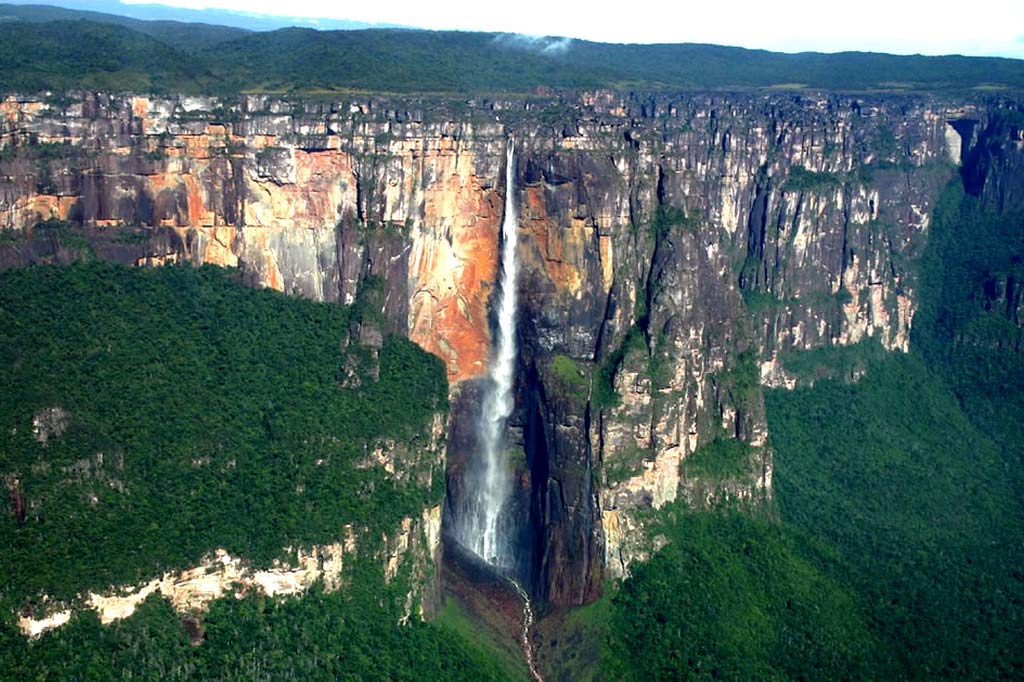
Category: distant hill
<point>242,20</point>
<point>51,48</point>
<point>63,55</point>
<point>186,36</point>
<point>436,61</point>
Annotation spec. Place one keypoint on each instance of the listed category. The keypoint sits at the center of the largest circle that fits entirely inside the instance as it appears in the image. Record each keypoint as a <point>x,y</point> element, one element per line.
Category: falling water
<point>479,527</point>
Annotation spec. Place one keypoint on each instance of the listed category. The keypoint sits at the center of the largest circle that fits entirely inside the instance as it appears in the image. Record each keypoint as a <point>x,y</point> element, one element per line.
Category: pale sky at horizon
<point>900,27</point>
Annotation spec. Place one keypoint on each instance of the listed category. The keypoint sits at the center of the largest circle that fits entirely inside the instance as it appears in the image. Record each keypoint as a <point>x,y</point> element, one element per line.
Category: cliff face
<point>267,186</point>
<point>671,248</point>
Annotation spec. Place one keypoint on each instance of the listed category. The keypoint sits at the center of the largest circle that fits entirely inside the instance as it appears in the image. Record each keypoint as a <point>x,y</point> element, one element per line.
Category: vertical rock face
<point>670,246</point>
<point>310,200</point>
<point>674,245</point>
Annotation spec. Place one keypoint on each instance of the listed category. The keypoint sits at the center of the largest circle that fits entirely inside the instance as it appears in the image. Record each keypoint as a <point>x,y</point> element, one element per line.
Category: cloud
<point>558,46</point>
<point>540,44</point>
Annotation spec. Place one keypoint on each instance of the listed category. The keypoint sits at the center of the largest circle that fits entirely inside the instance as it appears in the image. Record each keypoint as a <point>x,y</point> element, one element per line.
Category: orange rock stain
<point>454,265</point>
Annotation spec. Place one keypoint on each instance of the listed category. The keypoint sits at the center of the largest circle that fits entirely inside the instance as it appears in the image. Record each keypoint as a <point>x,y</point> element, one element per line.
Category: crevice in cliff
<point>589,591</point>
<point>753,276</point>
<point>537,459</point>
<point>976,158</point>
<point>561,559</point>
<point>608,314</point>
<point>992,158</point>
<point>844,255</point>
<point>967,130</point>
<point>660,255</point>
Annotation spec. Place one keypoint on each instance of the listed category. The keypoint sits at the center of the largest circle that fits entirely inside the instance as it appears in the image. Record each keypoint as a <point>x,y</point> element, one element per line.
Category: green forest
<point>898,548</point>
<point>217,413</point>
<point>58,49</point>
<point>321,636</point>
<point>201,413</point>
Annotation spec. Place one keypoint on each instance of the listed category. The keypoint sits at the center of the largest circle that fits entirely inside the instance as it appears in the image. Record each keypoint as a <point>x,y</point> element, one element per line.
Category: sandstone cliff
<point>672,247</point>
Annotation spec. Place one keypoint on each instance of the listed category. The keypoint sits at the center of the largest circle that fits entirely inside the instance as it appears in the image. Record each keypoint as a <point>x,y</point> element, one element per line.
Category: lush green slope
<point>165,56</point>
<point>732,598</point>
<point>204,414</point>
<point>969,324</point>
<point>922,510</point>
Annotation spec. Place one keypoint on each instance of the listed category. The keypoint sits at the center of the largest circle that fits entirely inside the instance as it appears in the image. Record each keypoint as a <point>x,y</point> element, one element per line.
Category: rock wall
<point>672,246</point>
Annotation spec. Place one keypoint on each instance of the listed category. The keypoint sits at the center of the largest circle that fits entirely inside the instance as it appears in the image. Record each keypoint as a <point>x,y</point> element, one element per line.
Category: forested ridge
<point>59,49</point>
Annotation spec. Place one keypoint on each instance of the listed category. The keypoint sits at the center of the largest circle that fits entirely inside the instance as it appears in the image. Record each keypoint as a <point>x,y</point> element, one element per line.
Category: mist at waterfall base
<point>478,525</point>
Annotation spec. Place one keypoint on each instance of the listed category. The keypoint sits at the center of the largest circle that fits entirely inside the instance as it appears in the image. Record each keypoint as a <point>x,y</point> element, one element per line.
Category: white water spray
<point>479,528</point>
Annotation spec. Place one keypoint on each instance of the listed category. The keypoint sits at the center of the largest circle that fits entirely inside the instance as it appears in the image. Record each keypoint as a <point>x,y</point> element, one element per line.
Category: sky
<point>994,28</point>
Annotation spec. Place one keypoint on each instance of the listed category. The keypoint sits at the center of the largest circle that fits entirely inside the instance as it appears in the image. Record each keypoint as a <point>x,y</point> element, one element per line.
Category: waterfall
<point>479,529</point>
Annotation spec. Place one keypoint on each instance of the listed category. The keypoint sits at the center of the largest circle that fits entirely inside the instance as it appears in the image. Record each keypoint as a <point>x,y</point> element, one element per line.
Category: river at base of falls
<point>495,600</point>
<point>527,641</point>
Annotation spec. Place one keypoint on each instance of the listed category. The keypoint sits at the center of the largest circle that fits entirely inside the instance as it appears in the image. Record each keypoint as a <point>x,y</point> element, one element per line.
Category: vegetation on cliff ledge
<point>320,636</point>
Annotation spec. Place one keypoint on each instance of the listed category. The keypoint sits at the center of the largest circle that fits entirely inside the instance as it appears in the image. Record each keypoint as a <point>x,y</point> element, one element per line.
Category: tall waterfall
<point>479,529</point>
